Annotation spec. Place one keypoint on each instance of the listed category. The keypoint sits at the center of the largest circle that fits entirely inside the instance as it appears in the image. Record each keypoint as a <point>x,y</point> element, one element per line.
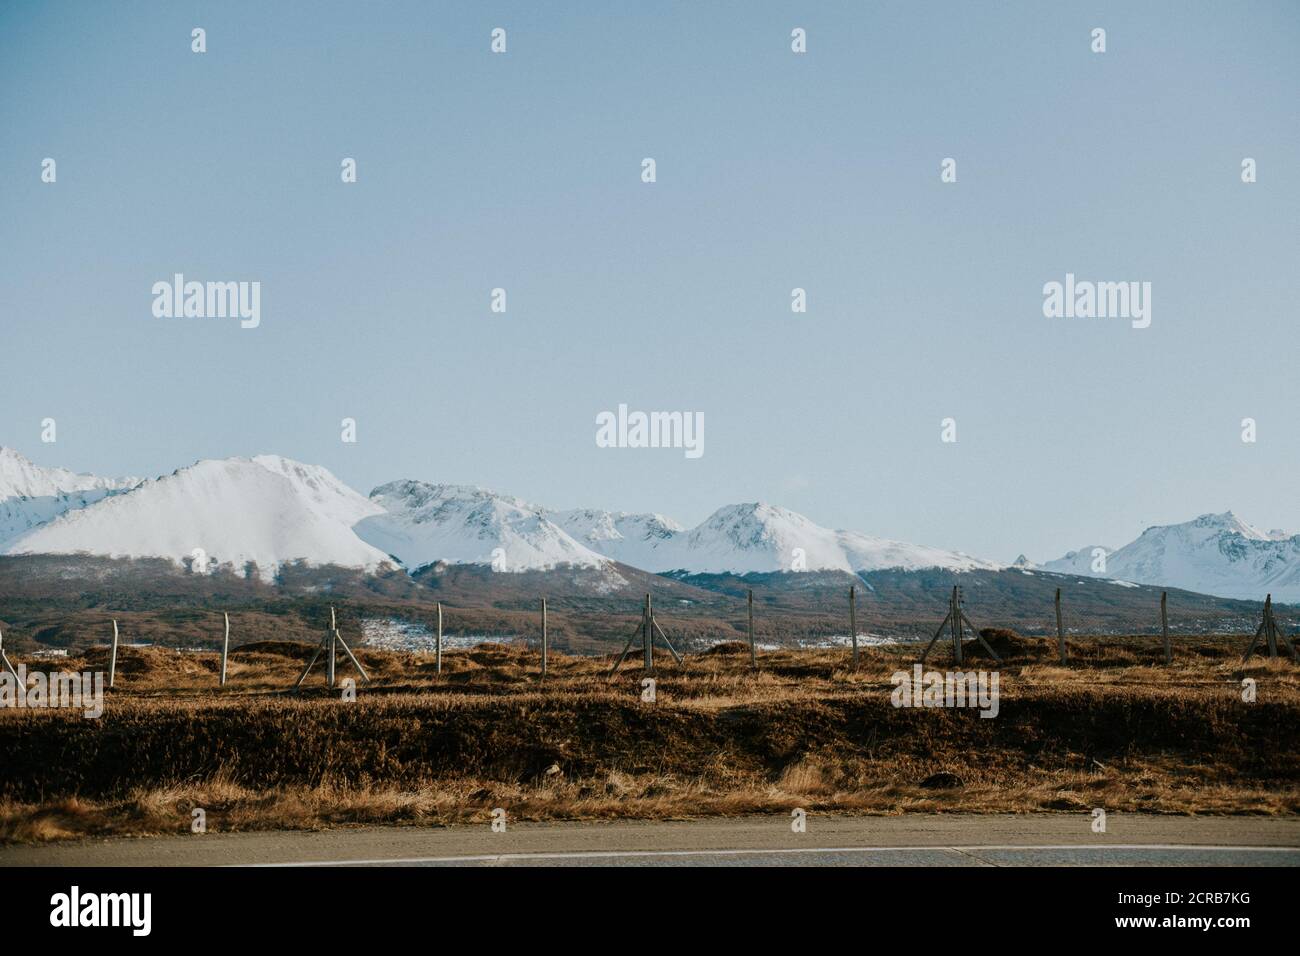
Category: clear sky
<point>775,170</point>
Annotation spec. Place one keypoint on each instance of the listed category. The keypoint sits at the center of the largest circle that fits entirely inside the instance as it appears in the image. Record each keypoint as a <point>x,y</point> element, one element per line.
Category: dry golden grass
<point>1115,729</point>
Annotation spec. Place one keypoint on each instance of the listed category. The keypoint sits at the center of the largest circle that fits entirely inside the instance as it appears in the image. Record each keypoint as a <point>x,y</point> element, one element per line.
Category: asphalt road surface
<point>913,840</point>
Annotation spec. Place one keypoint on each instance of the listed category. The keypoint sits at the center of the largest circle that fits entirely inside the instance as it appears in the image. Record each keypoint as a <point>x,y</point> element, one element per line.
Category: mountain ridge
<point>414,524</point>
<point>269,512</point>
<point>1213,553</point>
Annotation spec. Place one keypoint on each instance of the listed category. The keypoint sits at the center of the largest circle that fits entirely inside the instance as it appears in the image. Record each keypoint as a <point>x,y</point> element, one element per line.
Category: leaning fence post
<point>225,649</point>
<point>647,637</point>
<point>1164,626</point>
<point>112,659</point>
<point>1269,630</point>
<point>1060,631</point>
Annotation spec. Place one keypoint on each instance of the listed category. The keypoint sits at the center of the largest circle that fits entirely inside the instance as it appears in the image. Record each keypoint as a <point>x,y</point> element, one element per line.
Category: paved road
<point>914,840</point>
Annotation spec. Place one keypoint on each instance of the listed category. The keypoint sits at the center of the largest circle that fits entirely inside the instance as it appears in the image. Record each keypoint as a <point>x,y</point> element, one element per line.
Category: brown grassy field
<point>1114,729</point>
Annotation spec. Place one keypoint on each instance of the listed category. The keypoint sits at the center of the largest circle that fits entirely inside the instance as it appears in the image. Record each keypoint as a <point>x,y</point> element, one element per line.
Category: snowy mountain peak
<point>757,537</point>
<point>631,539</point>
<point>410,494</point>
<point>1080,561</point>
<point>267,511</point>
<point>1214,554</point>
<point>610,525</point>
<point>755,524</point>
<point>1227,522</point>
<point>32,495</point>
<point>20,477</point>
<point>422,523</point>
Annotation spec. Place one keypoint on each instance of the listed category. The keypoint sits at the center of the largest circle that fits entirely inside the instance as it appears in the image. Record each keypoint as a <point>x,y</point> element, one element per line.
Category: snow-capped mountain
<point>267,510</point>
<point>632,539</point>
<point>754,537</point>
<point>1080,561</point>
<point>751,538</point>
<point>1214,554</point>
<point>868,553</point>
<point>270,510</point>
<point>421,523</point>
<point>31,495</point>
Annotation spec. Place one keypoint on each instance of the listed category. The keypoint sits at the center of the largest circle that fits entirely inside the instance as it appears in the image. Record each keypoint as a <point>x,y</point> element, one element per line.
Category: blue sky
<point>775,170</point>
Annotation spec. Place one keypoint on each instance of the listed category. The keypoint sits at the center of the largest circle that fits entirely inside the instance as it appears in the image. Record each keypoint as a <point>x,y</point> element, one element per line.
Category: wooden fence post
<point>543,637</point>
<point>648,637</point>
<point>1164,626</point>
<point>955,613</point>
<point>334,631</point>
<point>225,649</point>
<point>437,647</point>
<point>1060,631</point>
<point>112,659</point>
<point>753,659</point>
<point>853,620</point>
<point>1270,632</point>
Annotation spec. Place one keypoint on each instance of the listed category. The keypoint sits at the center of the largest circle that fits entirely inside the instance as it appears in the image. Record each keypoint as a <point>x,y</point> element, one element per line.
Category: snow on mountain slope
<point>750,538</point>
<point>320,490</point>
<point>1215,554</point>
<point>754,537</point>
<point>420,523</point>
<point>1078,562</point>
<point>31,495</point>
<point>632,539</point>
<point>272,510</point>
<point>424,523</point>
<point>867,553</point>
<point>267,510</point>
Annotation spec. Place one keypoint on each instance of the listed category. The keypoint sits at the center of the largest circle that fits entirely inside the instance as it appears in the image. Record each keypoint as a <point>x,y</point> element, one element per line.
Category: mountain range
<point>258,515</point>
<point>1214,554</point>
<point>269,511</point>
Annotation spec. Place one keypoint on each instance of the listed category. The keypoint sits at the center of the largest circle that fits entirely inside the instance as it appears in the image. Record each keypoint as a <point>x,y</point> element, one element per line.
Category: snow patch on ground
<point>395,634</point>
